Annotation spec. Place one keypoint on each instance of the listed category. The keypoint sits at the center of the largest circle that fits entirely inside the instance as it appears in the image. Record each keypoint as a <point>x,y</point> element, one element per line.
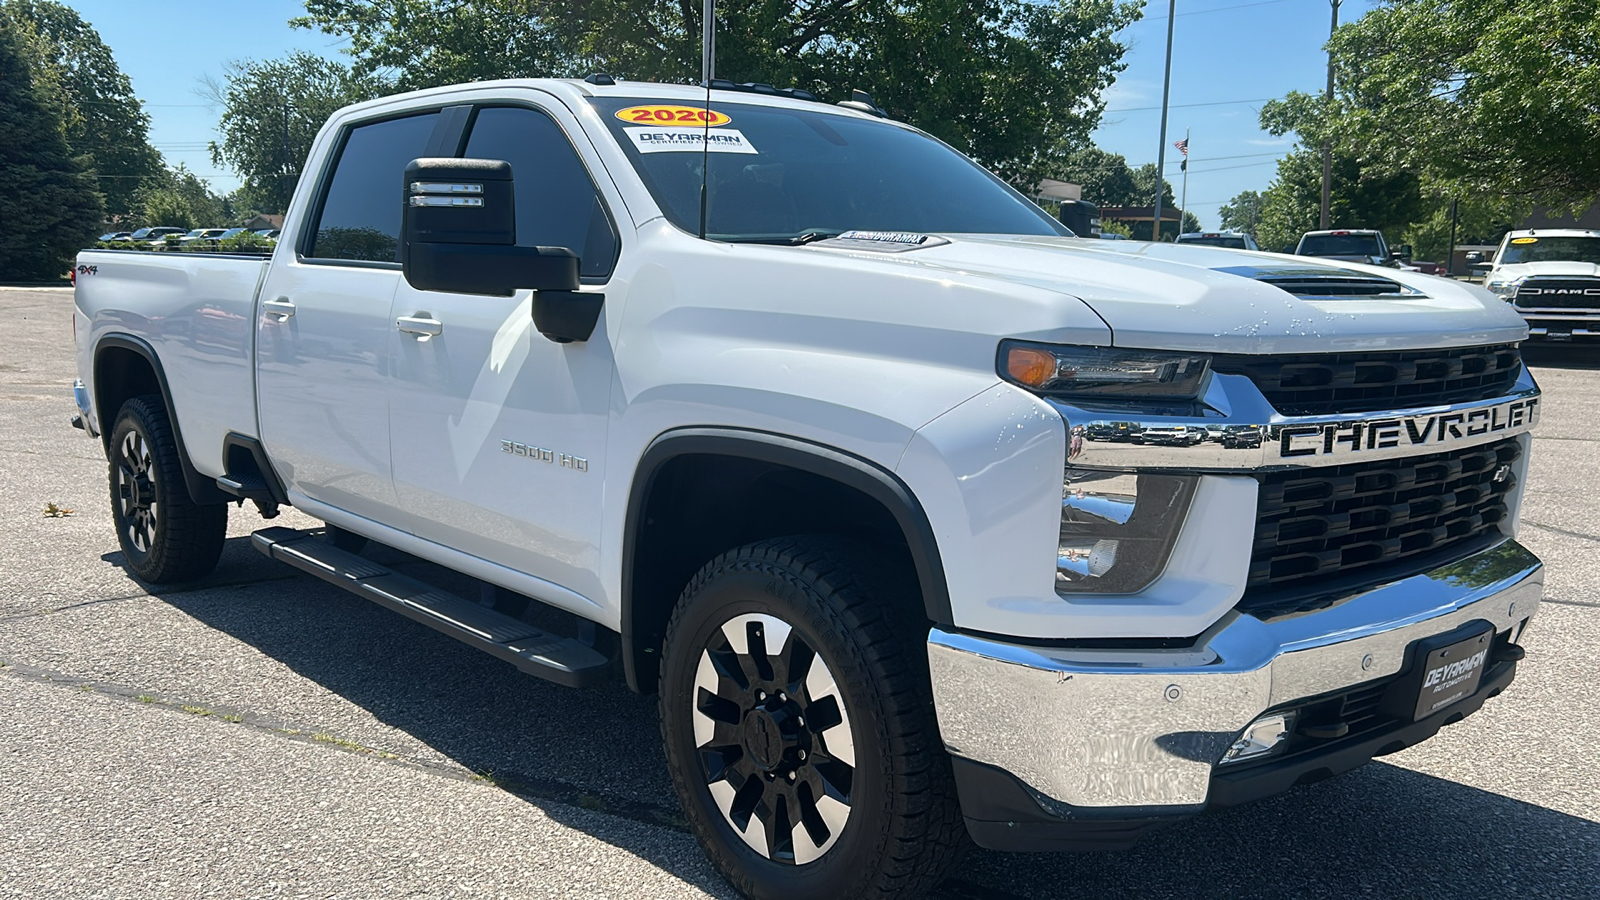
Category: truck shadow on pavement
<point>1380,831</point>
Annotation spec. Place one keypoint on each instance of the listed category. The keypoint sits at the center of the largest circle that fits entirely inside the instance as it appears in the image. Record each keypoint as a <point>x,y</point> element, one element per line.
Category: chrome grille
<point>1322,533</point>
<point>1363,382</point>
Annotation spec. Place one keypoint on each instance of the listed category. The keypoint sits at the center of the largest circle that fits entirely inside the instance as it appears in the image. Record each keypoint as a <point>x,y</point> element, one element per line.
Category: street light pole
<point>1161,149</point>
<point>1327,145</point>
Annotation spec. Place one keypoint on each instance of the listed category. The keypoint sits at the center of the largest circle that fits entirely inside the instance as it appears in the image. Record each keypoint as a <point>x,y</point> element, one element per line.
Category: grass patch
<point>230,717</point>
<point>197,711</point>
<point>146,698</point>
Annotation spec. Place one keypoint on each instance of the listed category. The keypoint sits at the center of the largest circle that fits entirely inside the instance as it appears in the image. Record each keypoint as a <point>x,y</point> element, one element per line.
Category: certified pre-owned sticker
<point>673,115</point>
<point>666,140</point>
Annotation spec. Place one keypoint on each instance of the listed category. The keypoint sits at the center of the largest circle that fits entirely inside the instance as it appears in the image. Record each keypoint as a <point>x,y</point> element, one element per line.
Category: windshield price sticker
<point>1525,240</point>
<point>673,115</point>
<point>687,140</point>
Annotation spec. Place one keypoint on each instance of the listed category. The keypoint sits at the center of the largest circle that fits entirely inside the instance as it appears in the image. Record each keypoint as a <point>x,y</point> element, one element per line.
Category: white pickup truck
<point>1552,277</point>
<point>799,418</point>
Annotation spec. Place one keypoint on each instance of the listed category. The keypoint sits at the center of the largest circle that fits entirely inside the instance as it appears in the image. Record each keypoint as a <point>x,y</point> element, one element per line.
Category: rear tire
<point>165,535</point>
<point>799,728</point>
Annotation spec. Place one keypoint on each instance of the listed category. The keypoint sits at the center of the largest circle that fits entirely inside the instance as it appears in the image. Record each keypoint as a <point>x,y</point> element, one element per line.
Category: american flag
<point>1183,146</point>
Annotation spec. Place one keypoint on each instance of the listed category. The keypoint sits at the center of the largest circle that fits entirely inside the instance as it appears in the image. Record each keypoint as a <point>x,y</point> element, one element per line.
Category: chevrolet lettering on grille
<point>1427,431</point>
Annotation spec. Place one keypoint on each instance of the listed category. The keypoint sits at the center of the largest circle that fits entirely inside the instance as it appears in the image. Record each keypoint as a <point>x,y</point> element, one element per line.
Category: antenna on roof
<point>708,70</point>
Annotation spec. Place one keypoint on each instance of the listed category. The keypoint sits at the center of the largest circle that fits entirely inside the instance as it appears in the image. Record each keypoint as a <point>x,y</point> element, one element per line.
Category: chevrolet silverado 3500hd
<point>799,418</point>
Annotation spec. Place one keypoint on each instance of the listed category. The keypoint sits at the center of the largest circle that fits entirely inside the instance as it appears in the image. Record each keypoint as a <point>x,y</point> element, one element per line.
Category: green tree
<point>48,204</point>
<point>1479,220</point>
<point>1242,213</point>
<point>1481,97</point>
<point>271,112</point>
<point>1364,196</point>
<point>178,198</point>
<point>1106,178</point>
<point>99,115</point>
<point>1015,83</point>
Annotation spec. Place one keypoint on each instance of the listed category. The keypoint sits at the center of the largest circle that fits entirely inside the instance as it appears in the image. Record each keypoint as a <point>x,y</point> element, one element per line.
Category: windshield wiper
<point>793,240</point>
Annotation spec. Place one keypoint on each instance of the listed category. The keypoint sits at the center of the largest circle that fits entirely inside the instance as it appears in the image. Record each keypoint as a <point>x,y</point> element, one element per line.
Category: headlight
<point>1100,372</point>
<point>1117,529</point>
<point>1505,290</point>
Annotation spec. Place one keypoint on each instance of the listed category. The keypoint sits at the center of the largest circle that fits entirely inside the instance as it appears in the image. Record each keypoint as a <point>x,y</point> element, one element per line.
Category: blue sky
<point>1229,55</point>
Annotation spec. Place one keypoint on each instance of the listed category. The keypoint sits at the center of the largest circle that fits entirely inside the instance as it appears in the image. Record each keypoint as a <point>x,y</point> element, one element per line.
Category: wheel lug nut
<point>791,777</point>
<point>800,720</point>
<point>802,754</point>
<point>781,697</point>
<point>761,695</point>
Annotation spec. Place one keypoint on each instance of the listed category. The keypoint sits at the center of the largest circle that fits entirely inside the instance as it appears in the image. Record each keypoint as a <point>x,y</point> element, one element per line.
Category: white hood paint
<point>1172,296</point>
<point>1514,271</point>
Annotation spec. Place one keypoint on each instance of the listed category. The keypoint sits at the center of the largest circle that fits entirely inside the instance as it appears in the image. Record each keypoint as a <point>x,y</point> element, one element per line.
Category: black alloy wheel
<point>774,738</point>
<point>799,730</point>
<point>165,536</point>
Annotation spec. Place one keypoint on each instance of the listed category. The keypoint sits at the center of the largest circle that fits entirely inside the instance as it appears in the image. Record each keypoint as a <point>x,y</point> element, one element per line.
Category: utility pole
<point>708,37</point>
<point>1327,146</point>
<point>1450,261</point>
<point>1161,149</point>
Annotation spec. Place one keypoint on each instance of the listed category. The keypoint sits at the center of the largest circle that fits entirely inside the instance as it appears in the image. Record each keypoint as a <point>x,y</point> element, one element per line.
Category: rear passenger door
<point>499,433</point>
<point>324,335</point>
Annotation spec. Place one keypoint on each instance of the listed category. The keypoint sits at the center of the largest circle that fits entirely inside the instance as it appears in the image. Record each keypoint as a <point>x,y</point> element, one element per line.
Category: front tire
<point>799,728</point>
<point>165,535</point>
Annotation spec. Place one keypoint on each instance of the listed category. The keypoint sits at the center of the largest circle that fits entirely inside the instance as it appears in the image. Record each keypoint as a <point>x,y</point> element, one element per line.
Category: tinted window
<point>779,172</point>
<point>1339,245</point>
<point>361,212</point>
<point>1551,249</point>
<point>1232,243</point>
<point>557,205</point>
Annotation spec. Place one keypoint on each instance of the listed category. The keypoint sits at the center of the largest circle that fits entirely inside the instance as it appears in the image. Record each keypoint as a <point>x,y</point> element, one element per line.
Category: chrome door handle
<point>419,324</point>
<point>282,308</point>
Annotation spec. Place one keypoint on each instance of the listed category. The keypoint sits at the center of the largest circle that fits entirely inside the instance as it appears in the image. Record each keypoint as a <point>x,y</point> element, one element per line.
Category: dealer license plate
<point>1451,673</point>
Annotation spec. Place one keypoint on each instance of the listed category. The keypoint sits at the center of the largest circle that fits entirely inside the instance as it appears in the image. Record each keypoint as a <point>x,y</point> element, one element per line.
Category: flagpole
<point>1183,203</point>
<point>1161,145</point>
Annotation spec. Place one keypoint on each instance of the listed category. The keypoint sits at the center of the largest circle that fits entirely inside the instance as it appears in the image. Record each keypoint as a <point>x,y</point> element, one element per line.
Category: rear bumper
<point>1061,747</point>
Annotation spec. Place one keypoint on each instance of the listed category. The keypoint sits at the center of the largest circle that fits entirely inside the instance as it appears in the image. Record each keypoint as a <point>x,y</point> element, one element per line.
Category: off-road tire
<point>904,829</point>
<point>165,535</point>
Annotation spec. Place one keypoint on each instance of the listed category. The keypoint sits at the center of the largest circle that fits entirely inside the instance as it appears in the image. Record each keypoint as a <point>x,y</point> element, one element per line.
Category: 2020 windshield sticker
<point>691,139</point>
<point>673,115</point>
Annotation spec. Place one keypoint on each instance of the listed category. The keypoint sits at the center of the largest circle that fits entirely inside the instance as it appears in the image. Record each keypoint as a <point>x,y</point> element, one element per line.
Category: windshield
<point>1339,245</point>
<point>786,175</point>
<point>1233,243</point>
<point>1551,249</point>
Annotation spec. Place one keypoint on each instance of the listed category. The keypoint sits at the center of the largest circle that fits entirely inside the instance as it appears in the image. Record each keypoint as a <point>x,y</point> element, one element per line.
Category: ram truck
<point>797,418</point>
<point>1551,276</point>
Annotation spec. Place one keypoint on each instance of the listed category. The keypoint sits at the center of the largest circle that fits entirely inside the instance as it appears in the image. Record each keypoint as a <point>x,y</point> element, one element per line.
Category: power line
<point>1202,12</point>
<point>1188,105</point>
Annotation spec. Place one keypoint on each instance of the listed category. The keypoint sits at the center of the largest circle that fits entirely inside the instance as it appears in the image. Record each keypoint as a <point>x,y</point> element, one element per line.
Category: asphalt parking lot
<point>261,734</point>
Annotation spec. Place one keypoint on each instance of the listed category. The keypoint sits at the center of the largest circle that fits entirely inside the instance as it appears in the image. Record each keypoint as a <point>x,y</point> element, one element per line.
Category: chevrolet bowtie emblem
<point>1502,473</point>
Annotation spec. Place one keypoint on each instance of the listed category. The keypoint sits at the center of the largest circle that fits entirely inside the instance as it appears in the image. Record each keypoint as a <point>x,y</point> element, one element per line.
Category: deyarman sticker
<point>689,139</point>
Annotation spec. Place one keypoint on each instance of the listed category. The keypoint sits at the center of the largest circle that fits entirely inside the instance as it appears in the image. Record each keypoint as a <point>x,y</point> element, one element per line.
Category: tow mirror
<point>459,235</point>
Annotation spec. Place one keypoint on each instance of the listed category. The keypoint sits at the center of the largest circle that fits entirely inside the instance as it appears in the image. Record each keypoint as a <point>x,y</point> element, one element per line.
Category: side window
<point>557,204</point>
<point>361,211</point>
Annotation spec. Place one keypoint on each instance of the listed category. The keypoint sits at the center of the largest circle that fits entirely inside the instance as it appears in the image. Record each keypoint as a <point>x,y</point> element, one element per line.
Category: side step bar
<point>566,661</point>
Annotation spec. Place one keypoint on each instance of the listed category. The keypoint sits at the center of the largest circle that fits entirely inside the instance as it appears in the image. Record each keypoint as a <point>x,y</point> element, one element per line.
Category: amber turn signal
<point>1030,365</point>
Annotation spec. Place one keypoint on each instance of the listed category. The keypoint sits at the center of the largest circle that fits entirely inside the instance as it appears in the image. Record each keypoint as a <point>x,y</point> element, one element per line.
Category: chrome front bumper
<point>1099,731</point>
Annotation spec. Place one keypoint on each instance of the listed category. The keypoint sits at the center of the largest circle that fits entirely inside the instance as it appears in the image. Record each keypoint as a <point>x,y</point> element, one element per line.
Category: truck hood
<point>1559,269</point>
<point>1188,297</point>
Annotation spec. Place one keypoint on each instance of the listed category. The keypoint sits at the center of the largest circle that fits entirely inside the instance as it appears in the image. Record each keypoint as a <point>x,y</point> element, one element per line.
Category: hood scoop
<point>1329,283</point>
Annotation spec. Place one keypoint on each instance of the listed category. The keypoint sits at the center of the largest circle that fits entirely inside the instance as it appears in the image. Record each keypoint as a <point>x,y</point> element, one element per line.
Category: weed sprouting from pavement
<point>197,710</point>
<point>146,698</point>
<point>230,717</point>
<point>52,511</point>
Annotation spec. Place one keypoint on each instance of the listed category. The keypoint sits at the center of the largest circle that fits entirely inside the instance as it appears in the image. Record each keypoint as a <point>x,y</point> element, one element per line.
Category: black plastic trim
<point>257,452</point>
<point>1002,813</point>
<point>819,459</point>
<point>201,488</point>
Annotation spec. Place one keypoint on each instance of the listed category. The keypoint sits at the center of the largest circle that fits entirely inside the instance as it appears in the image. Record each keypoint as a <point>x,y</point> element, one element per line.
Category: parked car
<point>270,234</point>
<point>1552,277</point>
<point>1232,240</point>
<point>1362,245</point>
<point>151,234</point>
<point>202,235</point>
<point>808,463</point>
<point>116,236</point>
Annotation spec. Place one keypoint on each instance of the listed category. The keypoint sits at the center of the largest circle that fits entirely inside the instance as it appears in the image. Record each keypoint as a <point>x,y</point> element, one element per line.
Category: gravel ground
<point>261,734</point>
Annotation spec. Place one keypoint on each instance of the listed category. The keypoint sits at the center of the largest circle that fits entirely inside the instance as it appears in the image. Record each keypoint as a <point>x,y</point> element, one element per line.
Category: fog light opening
<point>1263,736</point>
